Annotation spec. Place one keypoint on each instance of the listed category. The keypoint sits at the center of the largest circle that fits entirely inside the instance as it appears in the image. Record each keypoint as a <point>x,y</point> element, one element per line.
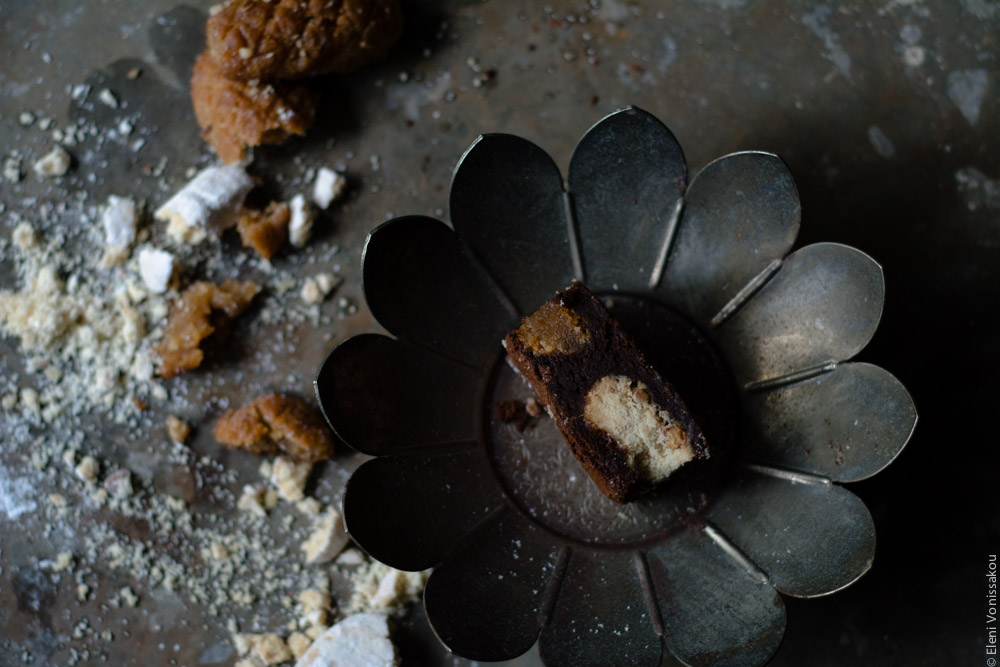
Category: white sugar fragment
<point>119,484</point>
<point>328,187</point>
<point>12,170</point>
<point>80,91</point>
<point>119,218</point>
<point>108,98</point>
<point>156,267</point>
<point>301,223</point>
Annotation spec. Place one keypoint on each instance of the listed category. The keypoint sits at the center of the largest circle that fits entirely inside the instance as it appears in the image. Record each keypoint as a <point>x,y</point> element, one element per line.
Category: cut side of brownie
<point>624,423</point>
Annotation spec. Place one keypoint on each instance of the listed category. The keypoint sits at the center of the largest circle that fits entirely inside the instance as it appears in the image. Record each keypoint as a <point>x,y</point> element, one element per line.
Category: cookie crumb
<point>191,321</point>
<point>316,288</point>
<point>12,170</point>
<point>119,484</point>
<point>271,649</point>
<point>178,429</point>
<point>87,470</point>
<point>128,597</point>
<point>289,477</point>
<point>24,236</point>
<point>327,539</point>
<point>252,500</point>
<point>265,231</point>
<point>53,164</point>
<point>309,506</point>
<point>298,644</point>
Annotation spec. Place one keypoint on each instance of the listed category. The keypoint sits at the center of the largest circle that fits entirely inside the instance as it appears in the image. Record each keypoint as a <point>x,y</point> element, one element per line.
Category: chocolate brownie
<point>625,424</point>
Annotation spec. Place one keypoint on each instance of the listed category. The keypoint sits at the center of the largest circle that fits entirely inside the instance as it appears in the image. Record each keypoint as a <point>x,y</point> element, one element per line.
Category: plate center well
<point>543,478</point>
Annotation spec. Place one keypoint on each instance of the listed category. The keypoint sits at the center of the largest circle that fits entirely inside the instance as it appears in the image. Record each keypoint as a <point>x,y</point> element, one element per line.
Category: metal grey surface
<point>532,469</point>
<point>411,511</point>
<point>626,180</point>
<point>809,537</point>
<point>741,213</point>
<point>507,183</point>
<point>714,611</point>
<point>845,425</point>
<point>601,614</point>
<point>822,306</point>
<point>489,602</point>
<point>422,284</point>
<point>383,396</point>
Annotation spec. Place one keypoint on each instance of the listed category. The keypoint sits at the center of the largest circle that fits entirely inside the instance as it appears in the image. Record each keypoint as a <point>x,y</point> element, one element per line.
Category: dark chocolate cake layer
<point>624,423</point>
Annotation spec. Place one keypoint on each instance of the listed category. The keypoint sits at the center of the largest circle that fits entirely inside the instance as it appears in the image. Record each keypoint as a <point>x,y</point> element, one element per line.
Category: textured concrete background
<point>888,114</point>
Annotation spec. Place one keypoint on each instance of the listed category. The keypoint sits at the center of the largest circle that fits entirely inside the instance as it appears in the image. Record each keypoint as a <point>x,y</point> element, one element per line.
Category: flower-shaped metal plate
<point>756,340</point>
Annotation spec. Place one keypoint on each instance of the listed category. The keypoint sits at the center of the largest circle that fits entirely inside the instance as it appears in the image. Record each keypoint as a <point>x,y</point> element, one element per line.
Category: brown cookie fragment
<point>265,231</point>
<point>200,310</point>
<point>289,39</point>
<point>235,115</point>
<point>516,413</point>
<point>275,424</point>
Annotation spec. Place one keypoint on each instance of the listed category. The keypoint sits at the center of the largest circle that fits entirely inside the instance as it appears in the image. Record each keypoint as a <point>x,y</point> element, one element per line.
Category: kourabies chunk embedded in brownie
<point>627,426</point>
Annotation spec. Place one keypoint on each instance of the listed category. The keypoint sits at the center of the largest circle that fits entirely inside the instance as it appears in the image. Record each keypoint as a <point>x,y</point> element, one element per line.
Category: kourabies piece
<point>626,425</point>
<point>207,203</point>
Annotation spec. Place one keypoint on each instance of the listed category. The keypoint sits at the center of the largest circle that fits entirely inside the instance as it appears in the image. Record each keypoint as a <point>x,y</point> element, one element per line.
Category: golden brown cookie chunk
<point>200,310</point>
<point>289,39</point>
<point>265,231</point>
<point>234,115</point>
<point>275,424</point>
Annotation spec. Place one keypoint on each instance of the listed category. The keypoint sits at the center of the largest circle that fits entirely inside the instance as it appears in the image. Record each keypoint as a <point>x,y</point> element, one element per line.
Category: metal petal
<point>811,538</point>
<point>846,425</point>
<point>507,202</point>
<point>381,395</point>
<point>424,285</point>
<point>714,611</point>
<point>410,511</point>
<point>741,215</point>
<point>823,306</point>
<point>626,181</point>
<point>601,615</point>
<point>486,602</point>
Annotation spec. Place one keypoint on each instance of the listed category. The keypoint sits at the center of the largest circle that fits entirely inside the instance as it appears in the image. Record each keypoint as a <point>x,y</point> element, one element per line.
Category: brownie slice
<point>627,426</point>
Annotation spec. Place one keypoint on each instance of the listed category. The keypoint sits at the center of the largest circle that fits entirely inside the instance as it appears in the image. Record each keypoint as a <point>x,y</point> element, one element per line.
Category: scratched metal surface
<point>886,113</point>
